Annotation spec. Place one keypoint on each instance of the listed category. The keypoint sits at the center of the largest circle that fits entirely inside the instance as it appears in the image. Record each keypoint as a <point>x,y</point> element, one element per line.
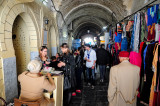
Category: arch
<point>7,17</point>
<point>7,20</point>
<point>85,4</point>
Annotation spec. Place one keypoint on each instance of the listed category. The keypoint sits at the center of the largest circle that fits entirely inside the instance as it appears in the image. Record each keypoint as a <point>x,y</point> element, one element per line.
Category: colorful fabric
<point>130,23</point>
<point>154,69</point>
<point>124,44</point>
<point>152,15</point>
<point>118,38</point>
<point>151,32</point>
<point>157,28</point>
<point>142,27</point>
<point>136,33</point>
<point>117,46</point>
<point>135,58</point>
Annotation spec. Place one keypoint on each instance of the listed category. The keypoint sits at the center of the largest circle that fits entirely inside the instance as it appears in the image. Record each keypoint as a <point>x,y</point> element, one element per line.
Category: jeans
<point>102,69</point>
<point>90,75</point>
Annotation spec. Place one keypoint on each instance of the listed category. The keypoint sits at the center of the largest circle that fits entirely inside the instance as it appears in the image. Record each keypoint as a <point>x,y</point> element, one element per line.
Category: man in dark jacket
<point>103,59</point>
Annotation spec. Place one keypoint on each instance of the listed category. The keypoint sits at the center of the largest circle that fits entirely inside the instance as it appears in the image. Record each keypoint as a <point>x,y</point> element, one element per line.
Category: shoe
<point>78,91</point>
<point>92,87</point>
<point>102,80</point>
<point>89,84</point>
<point>73,94</point>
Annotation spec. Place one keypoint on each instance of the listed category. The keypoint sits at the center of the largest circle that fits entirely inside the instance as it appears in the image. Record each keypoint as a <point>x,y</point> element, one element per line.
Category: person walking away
<point>90,57</point>
<point>102,61</point>
<point>84,62</point>
<point>79,70</point>
<point>124,82</point>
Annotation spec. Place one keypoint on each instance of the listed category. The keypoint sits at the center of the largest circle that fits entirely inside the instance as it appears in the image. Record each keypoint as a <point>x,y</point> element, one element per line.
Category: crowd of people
<point>84,60</point>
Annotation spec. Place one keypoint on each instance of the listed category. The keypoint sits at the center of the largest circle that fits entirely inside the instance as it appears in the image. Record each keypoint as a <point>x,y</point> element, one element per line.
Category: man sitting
<point>32,84</point>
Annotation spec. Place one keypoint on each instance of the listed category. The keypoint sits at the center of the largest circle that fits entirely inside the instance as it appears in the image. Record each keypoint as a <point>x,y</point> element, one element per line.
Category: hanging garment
<point>129,25</point>
<point>133,31</point>
<point>152,13</point>
<point>135,58</point>
<point>136,33</point>
<point>141,46</point>
<point>148,73</point>
<point>117,46</point>
<point>118,38</point>
<point>124,30</point>
<point>142,69</point>
<point>154,69</point>
<point>124,44</point>
<point>151,32</point>
<point>142,27</point>
<point>157,28</point>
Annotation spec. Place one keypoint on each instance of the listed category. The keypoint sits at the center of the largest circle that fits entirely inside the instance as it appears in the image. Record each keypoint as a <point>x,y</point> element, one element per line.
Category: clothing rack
<point>148,5</point>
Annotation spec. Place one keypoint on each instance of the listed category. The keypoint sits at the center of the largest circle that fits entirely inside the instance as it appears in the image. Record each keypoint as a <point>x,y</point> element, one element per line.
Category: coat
<point>123,85</point>
<point>69,69</point>
<point>32,87</point>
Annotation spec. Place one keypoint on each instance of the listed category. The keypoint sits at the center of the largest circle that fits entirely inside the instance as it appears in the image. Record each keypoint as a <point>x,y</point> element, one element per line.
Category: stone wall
<point>33,14</point>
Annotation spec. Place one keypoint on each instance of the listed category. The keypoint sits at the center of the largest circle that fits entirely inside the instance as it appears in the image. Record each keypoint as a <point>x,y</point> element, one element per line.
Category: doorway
<point>20,38</point>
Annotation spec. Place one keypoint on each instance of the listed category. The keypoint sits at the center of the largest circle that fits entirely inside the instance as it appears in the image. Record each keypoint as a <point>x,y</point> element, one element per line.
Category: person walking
<point>102,61</point>
<point>90,57</point>
<point>124,82</point>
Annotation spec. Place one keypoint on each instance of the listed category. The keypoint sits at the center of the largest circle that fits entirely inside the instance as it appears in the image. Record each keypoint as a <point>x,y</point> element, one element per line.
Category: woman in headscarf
<point>33,85</point>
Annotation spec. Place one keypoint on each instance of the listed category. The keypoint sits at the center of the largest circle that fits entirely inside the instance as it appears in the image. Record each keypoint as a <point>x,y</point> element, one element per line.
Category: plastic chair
<point>18,102</point>
<point>4,102</point>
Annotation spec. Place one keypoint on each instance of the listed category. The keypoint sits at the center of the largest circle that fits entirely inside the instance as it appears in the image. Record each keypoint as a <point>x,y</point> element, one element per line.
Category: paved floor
<point>92,97</point>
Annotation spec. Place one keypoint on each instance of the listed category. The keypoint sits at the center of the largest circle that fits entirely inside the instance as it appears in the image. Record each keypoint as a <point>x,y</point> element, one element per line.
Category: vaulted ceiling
<point>91,14</point>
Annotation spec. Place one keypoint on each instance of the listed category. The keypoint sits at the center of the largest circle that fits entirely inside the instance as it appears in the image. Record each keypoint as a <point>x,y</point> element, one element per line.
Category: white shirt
<point>91,55</point>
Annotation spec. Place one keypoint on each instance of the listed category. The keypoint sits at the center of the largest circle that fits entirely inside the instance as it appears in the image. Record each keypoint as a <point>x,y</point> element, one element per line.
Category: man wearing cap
<point>124,82</point>
<point>32,84</point>
<point>90,57</point>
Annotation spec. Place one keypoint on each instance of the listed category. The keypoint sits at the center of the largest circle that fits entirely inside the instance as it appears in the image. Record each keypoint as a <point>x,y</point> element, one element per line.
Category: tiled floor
<point>92,97</point>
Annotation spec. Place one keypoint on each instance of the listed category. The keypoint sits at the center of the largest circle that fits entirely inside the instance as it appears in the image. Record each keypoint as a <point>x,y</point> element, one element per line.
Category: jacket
<point>123,85</point>
<point>102,57</point>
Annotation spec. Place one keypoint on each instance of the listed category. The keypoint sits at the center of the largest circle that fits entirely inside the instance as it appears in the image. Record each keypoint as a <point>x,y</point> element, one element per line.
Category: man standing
<point>124,82</point>
<point>102,60</point>
<point>90,57</point>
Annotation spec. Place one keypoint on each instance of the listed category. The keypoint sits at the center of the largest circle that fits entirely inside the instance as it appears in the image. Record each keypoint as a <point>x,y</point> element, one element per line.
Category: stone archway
<point>8,60</point>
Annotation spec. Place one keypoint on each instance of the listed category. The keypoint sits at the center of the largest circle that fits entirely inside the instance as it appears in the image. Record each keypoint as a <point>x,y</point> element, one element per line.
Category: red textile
<point>123,54</point>
<point>135,58</point>
<point>141,46</point>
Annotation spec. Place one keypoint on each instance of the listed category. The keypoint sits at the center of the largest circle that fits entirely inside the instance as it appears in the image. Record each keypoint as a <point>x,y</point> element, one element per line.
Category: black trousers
<point>78,77</point>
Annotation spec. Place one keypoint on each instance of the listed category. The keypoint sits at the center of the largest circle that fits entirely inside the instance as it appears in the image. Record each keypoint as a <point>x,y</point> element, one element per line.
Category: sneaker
<point>73,94</point>
<point>92,87</point>
<point>89,84</point>
<point>78,91</point>
<point>102,80</point>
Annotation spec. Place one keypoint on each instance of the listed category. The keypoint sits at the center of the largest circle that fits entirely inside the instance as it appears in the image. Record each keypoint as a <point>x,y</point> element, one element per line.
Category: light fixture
<point>88,31</point>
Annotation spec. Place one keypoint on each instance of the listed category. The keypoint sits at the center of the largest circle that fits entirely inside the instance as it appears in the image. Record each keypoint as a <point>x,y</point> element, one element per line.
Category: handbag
<point>67,84</point>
